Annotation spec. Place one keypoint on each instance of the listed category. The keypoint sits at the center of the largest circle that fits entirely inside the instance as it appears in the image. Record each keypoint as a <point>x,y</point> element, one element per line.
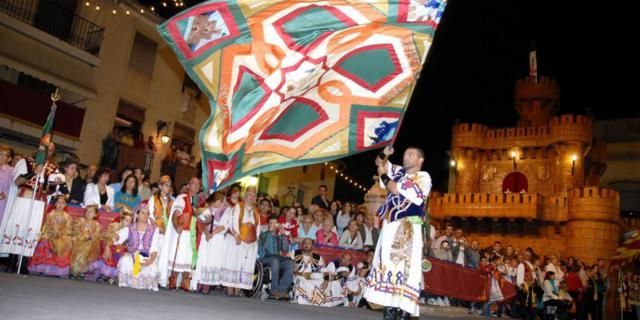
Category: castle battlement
<point>594,204</point>
<point>528,89</point>
<point>487,205</point>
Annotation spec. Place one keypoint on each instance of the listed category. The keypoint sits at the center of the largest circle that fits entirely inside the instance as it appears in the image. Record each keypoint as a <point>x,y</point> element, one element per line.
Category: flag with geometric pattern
<point>295,82</point>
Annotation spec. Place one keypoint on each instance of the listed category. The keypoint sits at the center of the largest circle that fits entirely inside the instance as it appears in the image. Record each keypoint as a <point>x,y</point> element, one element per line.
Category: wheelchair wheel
<point>258,278</point>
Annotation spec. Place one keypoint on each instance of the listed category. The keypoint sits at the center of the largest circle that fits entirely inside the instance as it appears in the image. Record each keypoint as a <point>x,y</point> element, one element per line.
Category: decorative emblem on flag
<point>299,82</point>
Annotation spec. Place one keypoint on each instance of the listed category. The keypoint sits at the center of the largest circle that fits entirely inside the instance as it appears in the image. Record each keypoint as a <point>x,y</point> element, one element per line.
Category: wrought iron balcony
<point>56,20</point>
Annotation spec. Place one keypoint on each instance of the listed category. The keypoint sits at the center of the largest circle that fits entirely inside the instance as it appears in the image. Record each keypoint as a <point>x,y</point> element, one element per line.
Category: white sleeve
<point>152,205</point>
<point>393,171</point>
<point>548,290</point>
<point>415,187</point>
<point>330,268</point>
<point>358,244</point>
<point>111,197</point>
<point>520,275</point>
<point>89,197</point>
<point>20,169</point>
<point>343,240</point>
<point>123,235</point>
<point>178,204</point>
<point>155,243</point>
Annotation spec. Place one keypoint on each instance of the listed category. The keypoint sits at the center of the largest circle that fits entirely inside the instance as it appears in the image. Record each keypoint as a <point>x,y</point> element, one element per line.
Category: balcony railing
<point>58,21</point>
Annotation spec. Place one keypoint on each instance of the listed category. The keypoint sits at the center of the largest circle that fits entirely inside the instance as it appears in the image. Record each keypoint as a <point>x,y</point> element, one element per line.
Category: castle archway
<point>515,182</point>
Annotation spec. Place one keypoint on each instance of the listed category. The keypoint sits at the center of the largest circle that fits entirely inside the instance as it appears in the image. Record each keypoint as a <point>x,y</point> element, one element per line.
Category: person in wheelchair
<point>556,304</point>
<point>272,249</point>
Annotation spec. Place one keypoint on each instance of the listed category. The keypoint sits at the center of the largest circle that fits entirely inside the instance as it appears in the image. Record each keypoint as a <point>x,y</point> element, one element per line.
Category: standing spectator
<point>321,199</point>
<point>90,177</point>
<point>447,236</point>
<point>554,266</point>
<point>369,232</point>
<point>344,216</point>
<point>6,173</point>
<point>143,190</point>
<point>123,175</point>
<point>496,251</point>
<point>334,209</point>
<point>265,211</point>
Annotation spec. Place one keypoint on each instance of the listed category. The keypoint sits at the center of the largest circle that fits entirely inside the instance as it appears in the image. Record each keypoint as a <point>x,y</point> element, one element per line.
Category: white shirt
<point>368,238</point>
<point>520,273</point>
<point>92,195</point>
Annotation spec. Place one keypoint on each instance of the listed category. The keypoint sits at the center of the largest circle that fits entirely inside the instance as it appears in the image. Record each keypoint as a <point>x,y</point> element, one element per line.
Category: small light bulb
<point>87,3</point>
<point>98,8</point>
<point>127,12</point>
<point>114,11</point>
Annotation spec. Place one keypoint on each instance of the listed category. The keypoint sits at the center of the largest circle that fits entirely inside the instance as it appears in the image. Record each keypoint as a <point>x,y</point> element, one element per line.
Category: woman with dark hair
<point>128,195</point>
<point>100,193</point>
<point>72,187</point>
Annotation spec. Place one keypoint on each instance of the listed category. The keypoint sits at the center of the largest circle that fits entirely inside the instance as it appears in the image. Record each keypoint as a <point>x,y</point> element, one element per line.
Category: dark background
<point>482,47</point>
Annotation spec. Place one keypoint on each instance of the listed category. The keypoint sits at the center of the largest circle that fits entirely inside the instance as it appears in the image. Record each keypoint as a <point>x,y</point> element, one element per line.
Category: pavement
<point>33,297</point>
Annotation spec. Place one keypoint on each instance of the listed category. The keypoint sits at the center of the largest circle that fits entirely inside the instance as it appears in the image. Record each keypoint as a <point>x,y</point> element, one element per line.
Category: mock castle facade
<point>534,185</point>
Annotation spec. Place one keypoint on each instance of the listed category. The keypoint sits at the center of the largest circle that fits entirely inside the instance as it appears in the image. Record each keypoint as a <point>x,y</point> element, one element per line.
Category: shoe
<point>405,315</point>
<point>389,313</point>
<point>431,302</point>
<point>440,302</point>
<point>446,302</point>
<point>422,301</point>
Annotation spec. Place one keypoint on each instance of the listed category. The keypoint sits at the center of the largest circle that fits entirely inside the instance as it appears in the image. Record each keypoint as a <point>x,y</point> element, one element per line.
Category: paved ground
<point>30,297</point>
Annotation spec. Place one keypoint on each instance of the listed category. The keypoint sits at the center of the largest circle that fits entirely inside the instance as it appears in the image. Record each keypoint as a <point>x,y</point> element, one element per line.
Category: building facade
<point>534,185</point>
<point>119,82</point>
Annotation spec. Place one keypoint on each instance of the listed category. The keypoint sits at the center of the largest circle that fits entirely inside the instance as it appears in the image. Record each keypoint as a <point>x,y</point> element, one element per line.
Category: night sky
<point>482,47</point>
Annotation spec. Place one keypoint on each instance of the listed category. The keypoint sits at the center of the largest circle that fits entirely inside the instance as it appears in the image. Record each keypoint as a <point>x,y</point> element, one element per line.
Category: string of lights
<point>98,5</point>
<point>344,176</point>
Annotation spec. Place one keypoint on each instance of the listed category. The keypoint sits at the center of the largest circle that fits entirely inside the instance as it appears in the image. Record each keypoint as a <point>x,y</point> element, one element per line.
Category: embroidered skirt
<point>396,273</point>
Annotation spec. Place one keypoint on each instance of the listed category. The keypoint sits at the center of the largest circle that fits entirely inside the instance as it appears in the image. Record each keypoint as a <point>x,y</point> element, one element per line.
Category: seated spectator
<point>128,195</point>
<point>351,238</point>
<point>53,253</point>
<point>307,229</point>
<point>73,188</point>
<point>326,236</point>
<point>100,193</point>
<point>553,304</point>
<point>312,287</point>
<point>355,285</point>
<point>272,248</point>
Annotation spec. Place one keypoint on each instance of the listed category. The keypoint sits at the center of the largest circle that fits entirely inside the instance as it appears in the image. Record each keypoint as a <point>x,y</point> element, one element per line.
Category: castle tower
<point>467,142</point>
<point>537,100</point>
<point>593,228</point>
<point>571,136</point>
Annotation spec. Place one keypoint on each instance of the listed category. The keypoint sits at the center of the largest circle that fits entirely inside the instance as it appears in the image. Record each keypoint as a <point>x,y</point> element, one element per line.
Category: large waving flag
<point>299,82</point>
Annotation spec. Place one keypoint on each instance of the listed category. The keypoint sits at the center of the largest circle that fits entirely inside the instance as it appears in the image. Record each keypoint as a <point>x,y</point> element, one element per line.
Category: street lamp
<point>164,138</point>
<point>513,157</point>
<point>452,163</point>
<point>574,158</point>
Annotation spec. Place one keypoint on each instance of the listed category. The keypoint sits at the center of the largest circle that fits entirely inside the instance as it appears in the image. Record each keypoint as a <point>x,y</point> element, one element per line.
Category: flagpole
<point>54,98</point>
